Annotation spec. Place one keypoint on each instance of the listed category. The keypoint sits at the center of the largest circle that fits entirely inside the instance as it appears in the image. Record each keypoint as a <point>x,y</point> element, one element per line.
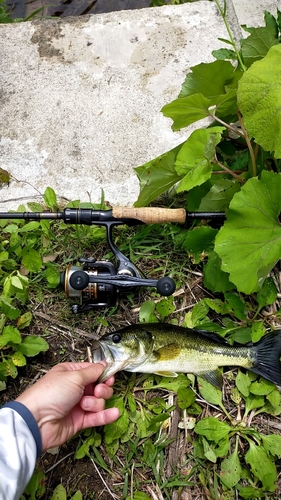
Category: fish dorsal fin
<point>169,351</point>
<point>214,377</point>
<point>167,374</point>
<point>216,337</point>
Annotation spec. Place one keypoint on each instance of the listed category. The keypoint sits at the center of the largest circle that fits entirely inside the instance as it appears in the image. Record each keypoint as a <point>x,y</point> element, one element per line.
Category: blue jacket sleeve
<point>20,445</point>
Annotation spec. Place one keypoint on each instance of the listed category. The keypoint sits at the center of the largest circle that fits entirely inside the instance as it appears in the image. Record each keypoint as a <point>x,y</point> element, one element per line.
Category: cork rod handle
<point>150,215</point>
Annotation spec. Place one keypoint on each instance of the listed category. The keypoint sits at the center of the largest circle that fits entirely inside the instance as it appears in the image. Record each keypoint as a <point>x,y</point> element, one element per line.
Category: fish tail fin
<point>268,353</point>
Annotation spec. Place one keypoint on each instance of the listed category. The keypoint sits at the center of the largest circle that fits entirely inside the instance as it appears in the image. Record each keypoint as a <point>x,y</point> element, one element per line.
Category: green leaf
<point>32,345</point>
<point>256,46</point>
<point>217,305</point>
<point>16,282</point>
<point>231,470</point>
<point>259,100</point>
<point>165,307</point>
<point>262,387</point>
<point>249,243</point>
<point>194,160</point>
<point>274,399</point>
<point>268,293</point>
<point>209,451</point>
<point>18,359</point>
<point>50,198</point>
<point>250,492</point>
<point>52,276</point>
<point>30,226</point>
<point>139,495</point>
<point>11,369</point>
<point>272,444</point>
<point>156,177</point>
<point>146,314</point>
<point>253,402</point>
<point>235,305</point>
<point>116,429</point>
<point>213,429</point>
<point>207,79</point>
<point>8,309</point>
<point>226,104</point>
<point>261,466</point>
<point>187,110</point>
<point>77,496</point>
<point>215,279</point>
<point>35,207</point>
<point>186,397</point>
<point>199,240</point>
<point>36,486</point>
<point>209,392</point>
<point>10,334</point>
<point>172,384</point>
<point>24,320</point>
<point>243,383</point>
<point>3,384</point>
<point>219,196</point>
<point>59,493</point>
<point>84,449</point>
<point>31,259</point>
<point>199,312</point>
<point>11,228</point>
<point>4,256</point>
<point>224,54</point>
<point>257,331</point>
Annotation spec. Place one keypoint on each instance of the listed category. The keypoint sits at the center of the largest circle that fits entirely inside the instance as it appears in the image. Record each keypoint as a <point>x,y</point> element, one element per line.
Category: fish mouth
<point>115,361</point>
<point>100,352</point>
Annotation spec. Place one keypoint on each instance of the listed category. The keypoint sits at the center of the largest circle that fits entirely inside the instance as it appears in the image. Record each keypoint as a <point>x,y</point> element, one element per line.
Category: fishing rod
<point>98,284</point>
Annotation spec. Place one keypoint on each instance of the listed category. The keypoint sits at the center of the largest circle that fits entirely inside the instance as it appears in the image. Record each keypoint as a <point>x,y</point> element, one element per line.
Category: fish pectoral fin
<point>169,351</point>
<point>167,374</point>
<point>214,377</point>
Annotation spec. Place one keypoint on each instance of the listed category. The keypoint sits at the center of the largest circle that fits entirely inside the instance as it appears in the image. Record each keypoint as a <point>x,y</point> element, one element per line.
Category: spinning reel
<point>98,284</point>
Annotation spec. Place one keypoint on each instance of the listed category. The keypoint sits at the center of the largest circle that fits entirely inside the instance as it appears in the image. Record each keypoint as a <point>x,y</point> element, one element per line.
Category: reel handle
<point>79,280</point>
<point>150,215</point>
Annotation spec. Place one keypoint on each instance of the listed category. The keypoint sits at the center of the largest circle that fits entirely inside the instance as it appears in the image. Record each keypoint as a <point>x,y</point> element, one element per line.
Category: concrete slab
<point>252,13</point>
<point>81,97</point>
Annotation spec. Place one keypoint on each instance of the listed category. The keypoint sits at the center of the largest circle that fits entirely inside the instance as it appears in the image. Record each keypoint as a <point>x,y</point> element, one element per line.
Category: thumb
<point>90,374</point>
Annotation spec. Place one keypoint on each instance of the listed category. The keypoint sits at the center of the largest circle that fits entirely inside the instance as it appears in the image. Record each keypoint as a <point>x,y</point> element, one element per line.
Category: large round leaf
<point>259,99</point>
<point>249,243</point>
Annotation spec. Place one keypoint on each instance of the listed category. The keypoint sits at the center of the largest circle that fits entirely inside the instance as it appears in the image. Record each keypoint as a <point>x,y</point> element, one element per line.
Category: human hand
<point>67,400</point>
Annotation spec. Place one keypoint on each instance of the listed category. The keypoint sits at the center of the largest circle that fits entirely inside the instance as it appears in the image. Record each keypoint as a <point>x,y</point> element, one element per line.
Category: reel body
<point>99,284</point>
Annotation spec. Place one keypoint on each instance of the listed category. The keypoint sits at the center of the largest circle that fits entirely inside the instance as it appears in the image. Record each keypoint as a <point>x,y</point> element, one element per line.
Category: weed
<point>233,165</point>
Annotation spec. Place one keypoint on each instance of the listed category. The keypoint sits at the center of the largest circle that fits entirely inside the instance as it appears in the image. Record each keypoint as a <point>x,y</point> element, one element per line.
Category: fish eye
<point>116,338</point>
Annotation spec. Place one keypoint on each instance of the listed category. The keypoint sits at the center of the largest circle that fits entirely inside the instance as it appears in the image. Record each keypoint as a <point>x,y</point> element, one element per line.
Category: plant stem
<point>230,127</point>
<point>249,144</point>
<point>233,171</point>
<point>223,14</point>
<point>228,171</point>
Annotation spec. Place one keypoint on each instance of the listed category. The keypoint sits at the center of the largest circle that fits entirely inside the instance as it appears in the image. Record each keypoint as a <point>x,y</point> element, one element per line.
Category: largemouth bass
<point>167,350</point>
